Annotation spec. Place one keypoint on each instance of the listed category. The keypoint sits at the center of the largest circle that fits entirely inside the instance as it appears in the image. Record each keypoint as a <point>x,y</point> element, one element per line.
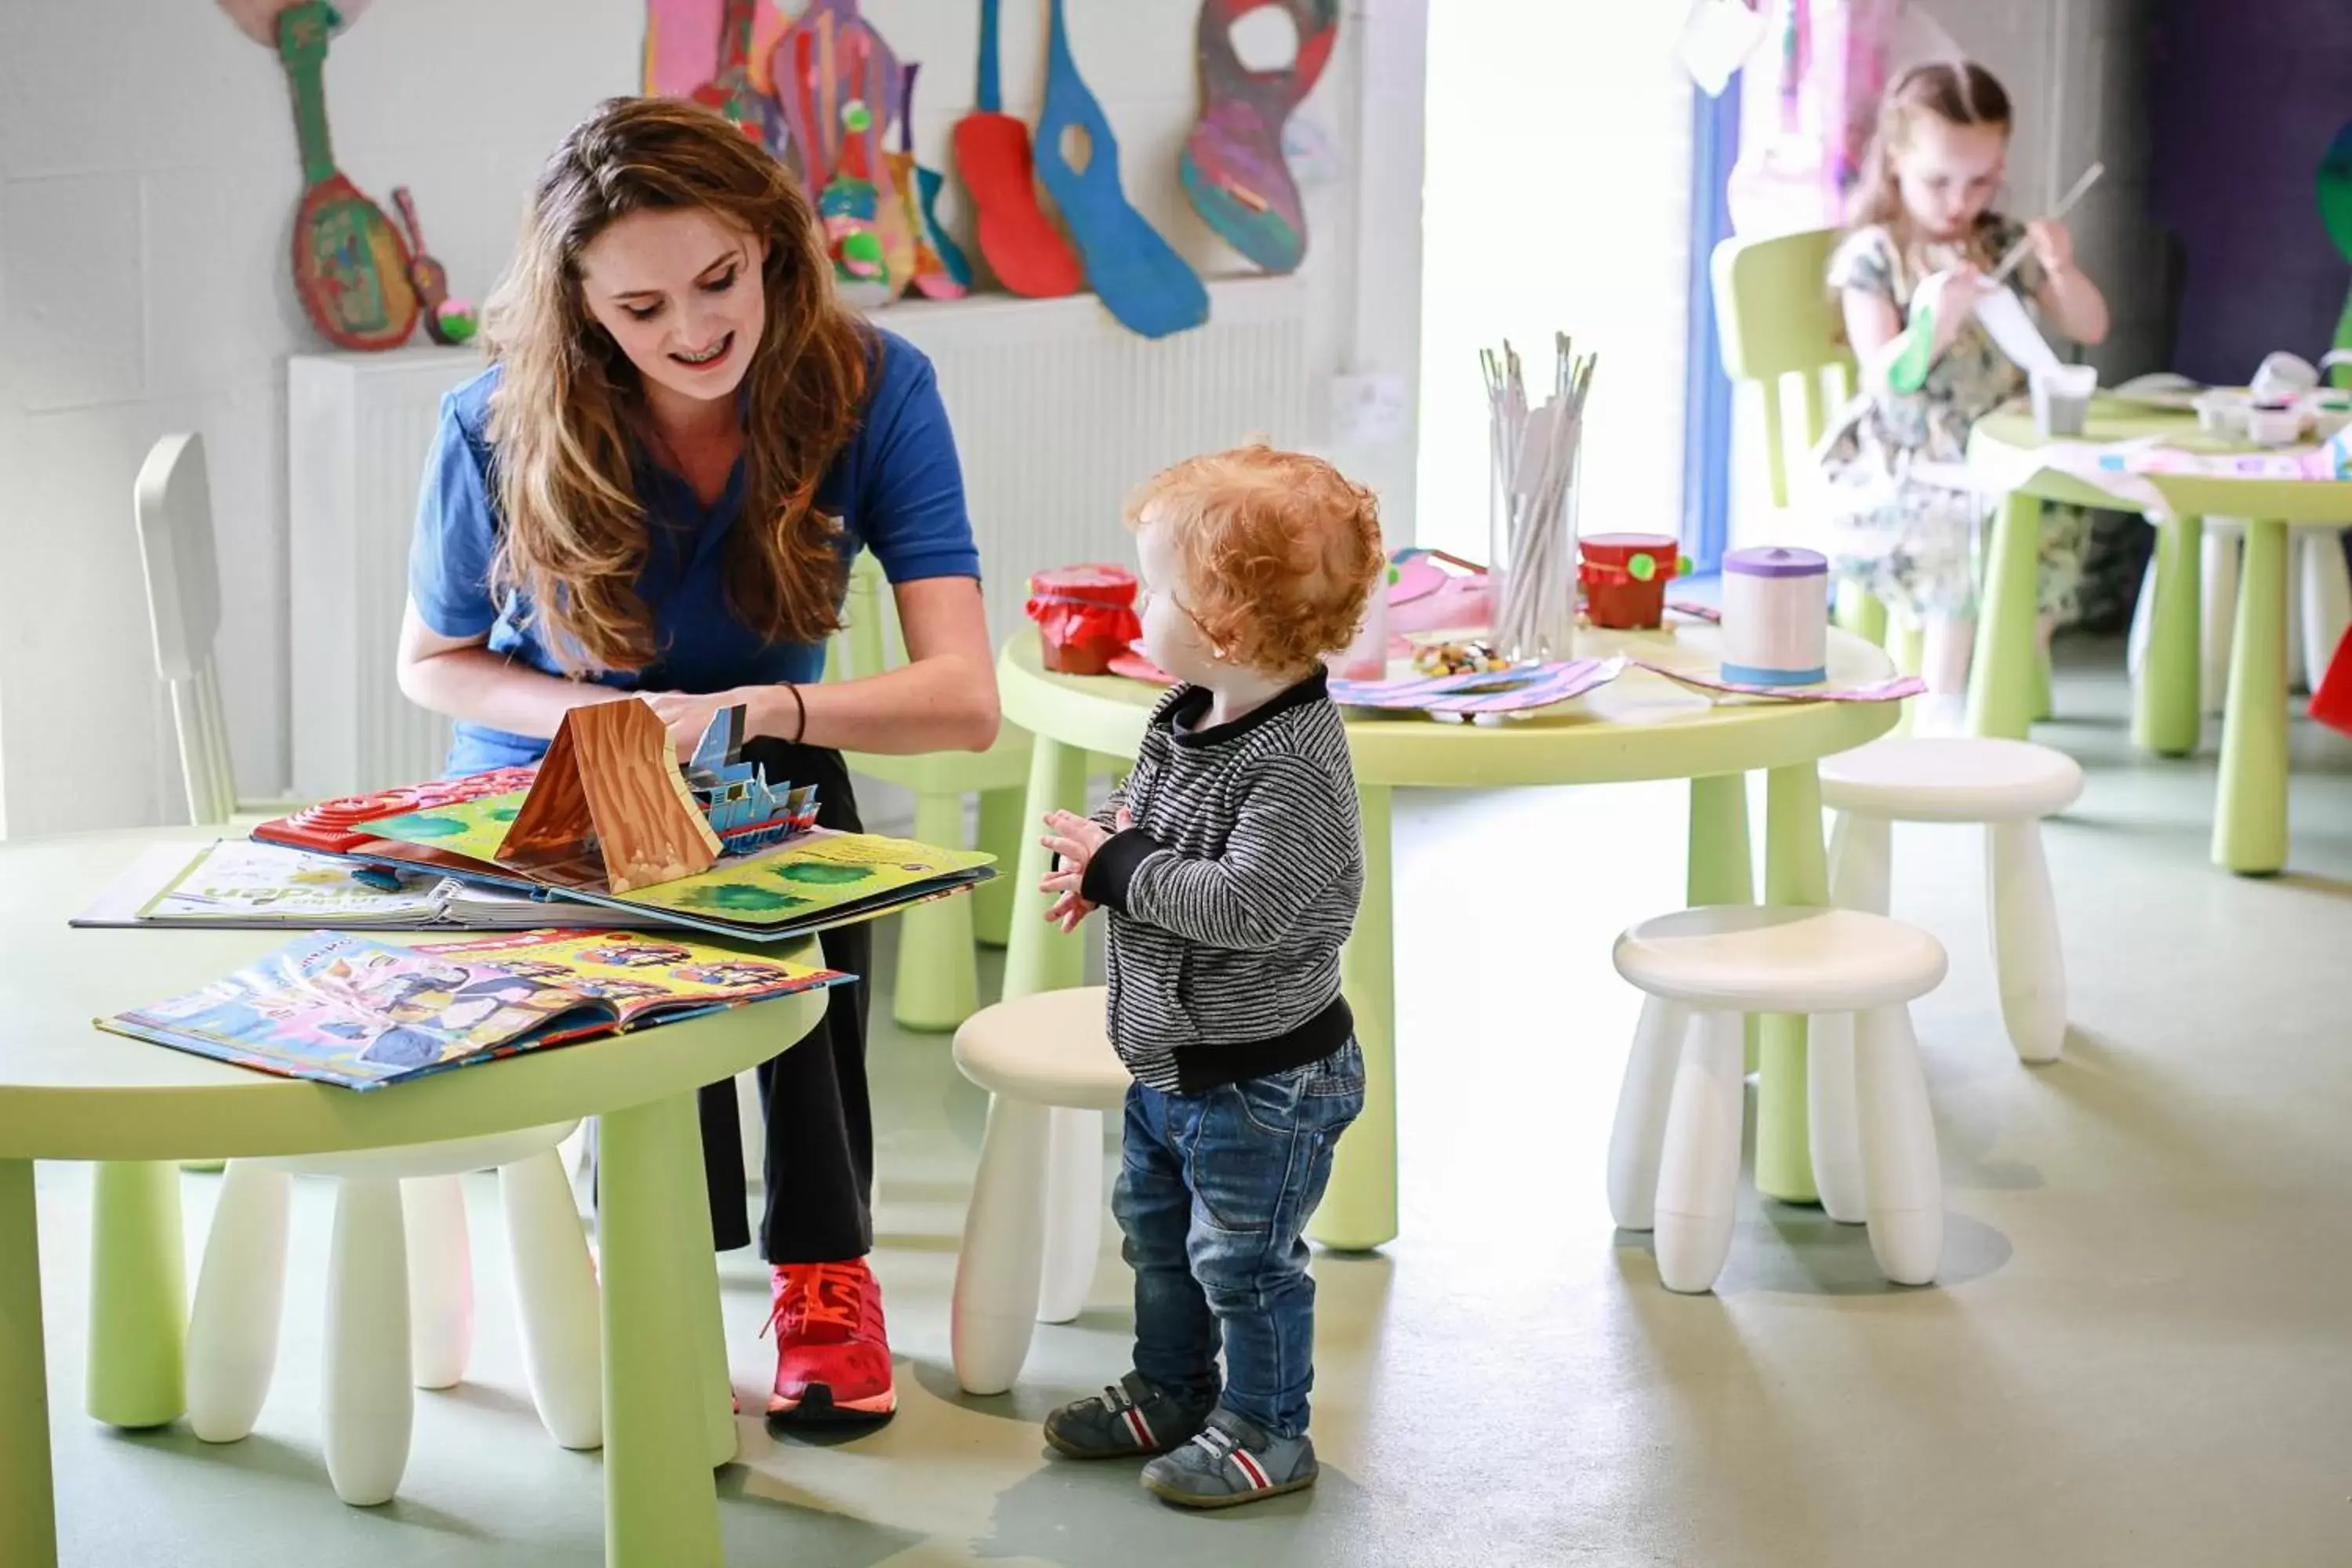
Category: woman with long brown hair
<point>656,488</point>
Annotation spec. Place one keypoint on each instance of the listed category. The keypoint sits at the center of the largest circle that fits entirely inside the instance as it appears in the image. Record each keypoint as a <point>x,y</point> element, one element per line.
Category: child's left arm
<point>2069,302</point>
<point>1294,835</point>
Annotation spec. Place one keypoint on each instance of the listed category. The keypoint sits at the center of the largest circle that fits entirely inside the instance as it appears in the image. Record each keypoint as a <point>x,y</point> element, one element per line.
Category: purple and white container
<point>1776,616</point>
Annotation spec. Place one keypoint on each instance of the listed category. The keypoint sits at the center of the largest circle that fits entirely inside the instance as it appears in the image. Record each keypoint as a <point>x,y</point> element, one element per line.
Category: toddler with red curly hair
<point>1231,863</point>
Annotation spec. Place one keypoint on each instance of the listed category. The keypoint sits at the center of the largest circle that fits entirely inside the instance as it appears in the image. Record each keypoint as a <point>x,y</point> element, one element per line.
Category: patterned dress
<point>1901,526</point>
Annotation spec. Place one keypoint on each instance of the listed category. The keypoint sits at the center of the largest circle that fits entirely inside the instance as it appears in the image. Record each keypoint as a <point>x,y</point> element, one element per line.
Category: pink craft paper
<point>1892,689</point>
<point>1517,691</point>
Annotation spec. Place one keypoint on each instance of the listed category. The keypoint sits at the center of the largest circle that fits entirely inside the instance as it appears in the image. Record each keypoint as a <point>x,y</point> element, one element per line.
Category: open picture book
<point>238,884</point>
<point>345,1009</point>
<point>608,818</point>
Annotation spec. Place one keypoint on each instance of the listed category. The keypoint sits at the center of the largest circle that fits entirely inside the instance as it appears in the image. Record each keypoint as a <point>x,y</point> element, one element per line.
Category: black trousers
<point>819,1167</point>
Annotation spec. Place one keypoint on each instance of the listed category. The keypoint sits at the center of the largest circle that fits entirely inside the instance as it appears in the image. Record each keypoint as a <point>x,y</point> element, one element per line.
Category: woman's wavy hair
<point>568,422</point>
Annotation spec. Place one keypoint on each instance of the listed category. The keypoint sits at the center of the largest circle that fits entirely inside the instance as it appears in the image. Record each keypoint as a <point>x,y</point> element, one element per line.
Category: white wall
<point>1559,200</point>
<point>148,180</point>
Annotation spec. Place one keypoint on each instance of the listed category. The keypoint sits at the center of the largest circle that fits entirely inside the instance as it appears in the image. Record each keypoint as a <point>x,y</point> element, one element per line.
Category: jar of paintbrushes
<point>1533,482</point>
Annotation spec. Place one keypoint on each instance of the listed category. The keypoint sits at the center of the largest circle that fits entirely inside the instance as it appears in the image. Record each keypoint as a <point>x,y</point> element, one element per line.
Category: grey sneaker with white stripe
<point>1130,1419</point>
<point>1232,1460</point>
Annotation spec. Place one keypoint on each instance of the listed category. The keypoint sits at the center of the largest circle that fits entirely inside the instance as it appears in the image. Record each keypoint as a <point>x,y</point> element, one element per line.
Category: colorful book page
<point>1892,689</point>
<point>1514,690</point>
<point>474,829</point>
<point>361,1014</point>
<point>237,879</point>
<point>788,883</point>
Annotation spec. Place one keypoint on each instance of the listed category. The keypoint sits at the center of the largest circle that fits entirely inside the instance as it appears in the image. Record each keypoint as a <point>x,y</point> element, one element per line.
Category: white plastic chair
<point>172,502</point>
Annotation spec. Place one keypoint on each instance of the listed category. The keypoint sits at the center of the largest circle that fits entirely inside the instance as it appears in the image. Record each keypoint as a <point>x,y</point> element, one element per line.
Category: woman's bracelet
<point>800,707</point>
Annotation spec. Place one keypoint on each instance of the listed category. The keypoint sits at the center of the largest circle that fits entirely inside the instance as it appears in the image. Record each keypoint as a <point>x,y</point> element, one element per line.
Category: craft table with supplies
<point>2010,456</point>
<point>1640,726</point>
<point>68,1091</point>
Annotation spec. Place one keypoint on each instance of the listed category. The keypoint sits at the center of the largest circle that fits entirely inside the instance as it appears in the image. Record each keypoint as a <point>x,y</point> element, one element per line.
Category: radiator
<point>1058,413</point>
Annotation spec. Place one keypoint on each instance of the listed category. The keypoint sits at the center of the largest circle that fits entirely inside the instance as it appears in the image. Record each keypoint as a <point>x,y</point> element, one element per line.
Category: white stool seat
<point>1951,779</point>
<point>1051,1048</point>
<point>1674,1151</point>
<point>1746,959</point>
<point>414,1161</point>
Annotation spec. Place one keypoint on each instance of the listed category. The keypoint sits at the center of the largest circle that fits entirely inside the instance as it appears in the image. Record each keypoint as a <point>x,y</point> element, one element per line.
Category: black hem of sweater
<point>1110,869</point>
<point>1200,1068</point>
<point>1191,704</point>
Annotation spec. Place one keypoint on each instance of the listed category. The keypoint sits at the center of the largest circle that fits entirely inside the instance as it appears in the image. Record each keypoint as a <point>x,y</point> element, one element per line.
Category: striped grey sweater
<point>1230,896</point>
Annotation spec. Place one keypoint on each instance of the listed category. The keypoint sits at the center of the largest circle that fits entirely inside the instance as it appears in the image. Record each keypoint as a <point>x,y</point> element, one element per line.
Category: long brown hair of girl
<point>1956,92</point>
<point>570,413</point>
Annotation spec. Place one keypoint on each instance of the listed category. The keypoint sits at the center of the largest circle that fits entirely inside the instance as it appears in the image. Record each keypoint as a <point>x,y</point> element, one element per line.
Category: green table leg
<point>2001,679</point>
<point>2250,817</point>
<point>697,1266</point>
<point>1722,867</point>
<point>999,835</point>
<point>1038,957</point>
<point>2167,715</point>
<point>936,988</point>
<point>1796,871</point>
<point>29,1525</point>
<point>660,1509</point>
<point>1860,613</point>
<point>138,1297</point>
<point>1358,1211</point>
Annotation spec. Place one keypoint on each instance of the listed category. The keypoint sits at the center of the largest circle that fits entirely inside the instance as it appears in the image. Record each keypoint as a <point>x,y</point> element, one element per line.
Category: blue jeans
<point>1214,1193</point>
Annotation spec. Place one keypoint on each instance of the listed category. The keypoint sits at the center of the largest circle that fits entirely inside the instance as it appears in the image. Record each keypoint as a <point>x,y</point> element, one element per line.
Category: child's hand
<point>2054,247</point>
<point>1073,839</point>
<point>1068,911</point>
<point>1952,297</point>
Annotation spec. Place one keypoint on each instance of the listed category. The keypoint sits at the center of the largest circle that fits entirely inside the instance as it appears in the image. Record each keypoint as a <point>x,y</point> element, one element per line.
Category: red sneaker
<point>832,1358</point>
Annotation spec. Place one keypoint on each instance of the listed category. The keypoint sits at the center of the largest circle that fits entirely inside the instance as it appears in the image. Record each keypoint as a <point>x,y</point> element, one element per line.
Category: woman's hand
<point>1074,839</point>
<point>2054,246</point>
<point>687,716</point>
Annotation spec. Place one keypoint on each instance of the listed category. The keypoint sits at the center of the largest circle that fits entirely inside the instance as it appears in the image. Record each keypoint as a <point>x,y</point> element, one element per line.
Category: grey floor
<point>2140,1351</point>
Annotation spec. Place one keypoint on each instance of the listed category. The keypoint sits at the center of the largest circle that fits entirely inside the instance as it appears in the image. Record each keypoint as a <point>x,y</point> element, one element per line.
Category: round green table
<point>70,1091</point>
<point>1640,726</point>
<point>2249,812</point>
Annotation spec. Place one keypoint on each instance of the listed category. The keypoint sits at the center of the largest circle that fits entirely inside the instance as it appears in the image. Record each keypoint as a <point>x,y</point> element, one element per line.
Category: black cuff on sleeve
<point>1113,865</point>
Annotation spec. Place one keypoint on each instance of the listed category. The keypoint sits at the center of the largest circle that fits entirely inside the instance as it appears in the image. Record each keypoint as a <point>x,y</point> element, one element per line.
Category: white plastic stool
<point>1674,1151</point>
<point>1032,1231</point>
<point>399,1297</point>
<point>2008,785</point>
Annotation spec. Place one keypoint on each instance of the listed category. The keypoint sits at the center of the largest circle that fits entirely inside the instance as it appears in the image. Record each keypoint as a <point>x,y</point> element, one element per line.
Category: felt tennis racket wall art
<point>1021,244</point>
<point>940,271</point>
<point>1151,289</point>
<point>350,266</point>
<point>1232,165</point>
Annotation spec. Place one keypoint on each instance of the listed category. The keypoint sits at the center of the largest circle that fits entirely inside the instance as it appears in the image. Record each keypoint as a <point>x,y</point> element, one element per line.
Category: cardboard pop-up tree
<point>609,792</point>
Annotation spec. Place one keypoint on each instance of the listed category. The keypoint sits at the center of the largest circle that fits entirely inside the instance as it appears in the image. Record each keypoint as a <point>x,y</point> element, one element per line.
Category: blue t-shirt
<point>896,487</point>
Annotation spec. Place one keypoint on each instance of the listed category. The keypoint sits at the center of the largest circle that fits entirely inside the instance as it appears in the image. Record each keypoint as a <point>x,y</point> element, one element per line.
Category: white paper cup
<point>2062,398</point>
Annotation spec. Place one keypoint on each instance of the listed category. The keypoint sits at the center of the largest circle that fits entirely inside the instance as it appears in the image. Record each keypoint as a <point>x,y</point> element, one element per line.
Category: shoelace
<point>826,1294</point>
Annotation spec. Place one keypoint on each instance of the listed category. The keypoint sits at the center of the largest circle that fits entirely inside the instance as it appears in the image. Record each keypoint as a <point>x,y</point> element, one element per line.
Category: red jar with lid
<point>1625,577</point>
<point>1085,615</point>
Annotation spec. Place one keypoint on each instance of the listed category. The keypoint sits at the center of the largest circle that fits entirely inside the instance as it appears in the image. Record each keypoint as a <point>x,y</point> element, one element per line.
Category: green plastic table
<point>2250,812</point>
<point>1640,726</point>
<point>68,1091</point>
